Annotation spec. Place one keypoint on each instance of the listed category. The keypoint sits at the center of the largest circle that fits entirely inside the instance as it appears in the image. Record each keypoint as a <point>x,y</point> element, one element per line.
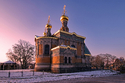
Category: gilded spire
<point>48,28</point>
<point>44,32</point>
<point>64,8</point>
<point>48,20</point>
<point>64,17</point>
<point>48,25</point>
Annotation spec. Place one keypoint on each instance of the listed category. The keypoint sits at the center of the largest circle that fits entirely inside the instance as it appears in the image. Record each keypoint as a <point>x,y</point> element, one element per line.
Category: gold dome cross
<point>64,9</point>
<point>48,19</point>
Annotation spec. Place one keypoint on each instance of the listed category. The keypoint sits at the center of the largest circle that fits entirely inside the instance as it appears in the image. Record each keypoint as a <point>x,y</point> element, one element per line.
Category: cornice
<point>63,47</point>
<point>69,34</point>
<point>41,37</point>
<point>87,54</point>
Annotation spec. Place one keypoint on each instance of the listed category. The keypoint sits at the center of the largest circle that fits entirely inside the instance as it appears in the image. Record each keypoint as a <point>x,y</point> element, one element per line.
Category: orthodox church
<point>63,51</point>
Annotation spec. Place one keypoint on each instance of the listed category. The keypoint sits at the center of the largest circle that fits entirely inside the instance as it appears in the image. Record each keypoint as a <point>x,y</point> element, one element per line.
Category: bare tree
<point>97,61</point>
<point>22,53</point>
<point>119,63</point>
<point>108,59</point>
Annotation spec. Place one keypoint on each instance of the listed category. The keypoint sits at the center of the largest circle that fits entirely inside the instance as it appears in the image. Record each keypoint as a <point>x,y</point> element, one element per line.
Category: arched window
<point>65,59</point>
<point>69,60</point>
<point>46,49</point>
<point>73,46</point>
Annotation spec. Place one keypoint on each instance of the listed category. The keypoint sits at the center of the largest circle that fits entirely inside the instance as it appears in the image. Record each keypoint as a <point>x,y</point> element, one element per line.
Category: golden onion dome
<point>48,26</point>
<point>44,34</point>
<point>64,18</point>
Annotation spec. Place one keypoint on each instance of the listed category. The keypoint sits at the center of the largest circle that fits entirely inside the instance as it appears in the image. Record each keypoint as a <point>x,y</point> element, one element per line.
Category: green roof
<point>87,50</point>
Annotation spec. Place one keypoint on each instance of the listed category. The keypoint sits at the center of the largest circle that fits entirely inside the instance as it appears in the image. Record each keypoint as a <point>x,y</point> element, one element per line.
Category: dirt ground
<point>107,79</point>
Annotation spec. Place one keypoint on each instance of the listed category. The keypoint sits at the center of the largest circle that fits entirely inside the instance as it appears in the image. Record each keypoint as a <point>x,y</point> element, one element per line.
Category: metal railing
<point>18,74</point>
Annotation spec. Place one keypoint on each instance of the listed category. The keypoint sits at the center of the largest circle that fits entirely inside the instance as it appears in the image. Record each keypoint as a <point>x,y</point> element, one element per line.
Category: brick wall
<point>78,60</point>
<point>55,59</point>
<point>40,49</point>
<point>43,60</point>
<point>79,49</point>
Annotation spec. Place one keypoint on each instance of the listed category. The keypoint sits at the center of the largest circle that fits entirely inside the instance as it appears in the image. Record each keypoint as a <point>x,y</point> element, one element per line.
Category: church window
<point>77,43</point>
<point>46,49</point>
<point>65,59</point>
<point>73,46</point>
<point>65,42</point>
<point>69,60</point>
<point>69,42</point>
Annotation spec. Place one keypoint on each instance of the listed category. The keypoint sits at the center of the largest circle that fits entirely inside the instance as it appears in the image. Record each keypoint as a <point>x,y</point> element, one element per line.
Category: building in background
<point>63,51</point>
<point>8,65</point>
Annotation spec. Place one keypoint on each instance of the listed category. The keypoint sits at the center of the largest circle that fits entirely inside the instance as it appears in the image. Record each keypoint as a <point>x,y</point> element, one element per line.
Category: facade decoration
<point>63,51</point>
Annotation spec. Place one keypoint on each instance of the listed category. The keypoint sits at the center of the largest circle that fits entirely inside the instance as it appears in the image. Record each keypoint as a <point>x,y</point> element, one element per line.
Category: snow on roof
<point>36,36</point>
<point>63,45</point>
<point>9,62</point>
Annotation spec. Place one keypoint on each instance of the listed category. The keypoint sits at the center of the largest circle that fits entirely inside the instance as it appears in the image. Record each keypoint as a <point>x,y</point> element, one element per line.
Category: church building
<point>62,51</point>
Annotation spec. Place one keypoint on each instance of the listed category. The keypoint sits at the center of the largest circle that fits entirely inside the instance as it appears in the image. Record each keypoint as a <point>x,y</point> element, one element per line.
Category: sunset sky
<point>102,22</point>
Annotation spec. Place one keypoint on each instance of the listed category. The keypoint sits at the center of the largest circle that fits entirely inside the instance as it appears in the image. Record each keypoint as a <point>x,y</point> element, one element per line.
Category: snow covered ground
<point>28,77</point>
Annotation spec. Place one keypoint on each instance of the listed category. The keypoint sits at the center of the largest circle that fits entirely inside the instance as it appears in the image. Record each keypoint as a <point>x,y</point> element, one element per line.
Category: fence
<point>18,74</point>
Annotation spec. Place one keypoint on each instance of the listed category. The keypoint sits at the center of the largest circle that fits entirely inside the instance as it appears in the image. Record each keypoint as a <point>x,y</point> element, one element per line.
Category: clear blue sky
<point>102,22</point>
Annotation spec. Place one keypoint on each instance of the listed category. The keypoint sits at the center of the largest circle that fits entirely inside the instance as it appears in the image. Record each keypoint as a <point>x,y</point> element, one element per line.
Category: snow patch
<point>28,77</point>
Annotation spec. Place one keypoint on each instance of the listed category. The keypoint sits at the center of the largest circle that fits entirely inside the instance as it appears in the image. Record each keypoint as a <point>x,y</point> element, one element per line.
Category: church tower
<point>64,19</point>
<point>48,28</point>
